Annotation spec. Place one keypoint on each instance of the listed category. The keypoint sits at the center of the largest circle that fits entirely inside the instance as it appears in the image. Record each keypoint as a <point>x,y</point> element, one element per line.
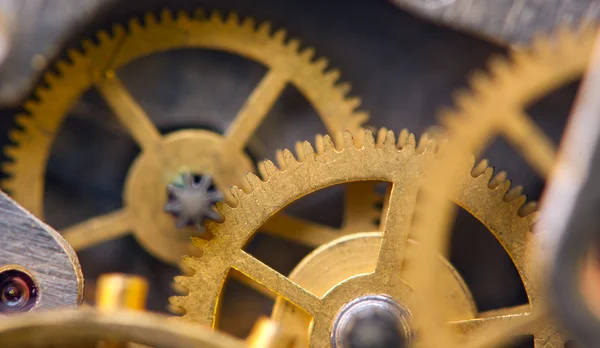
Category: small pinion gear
<point>192,201</point>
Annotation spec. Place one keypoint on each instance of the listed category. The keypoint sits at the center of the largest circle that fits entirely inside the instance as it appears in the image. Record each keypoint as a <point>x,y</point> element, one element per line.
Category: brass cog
<point>164,157</point>
<point>361,158</point>
<point>496,107</point>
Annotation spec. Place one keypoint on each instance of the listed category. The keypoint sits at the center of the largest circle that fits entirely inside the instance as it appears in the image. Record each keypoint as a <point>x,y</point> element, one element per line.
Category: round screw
<point>18,291</point>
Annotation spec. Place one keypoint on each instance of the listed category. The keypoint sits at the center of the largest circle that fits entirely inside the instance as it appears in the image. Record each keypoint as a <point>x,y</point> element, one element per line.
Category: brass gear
<point>164,157</point>
<point>496,107</point>
<point>361,158</point>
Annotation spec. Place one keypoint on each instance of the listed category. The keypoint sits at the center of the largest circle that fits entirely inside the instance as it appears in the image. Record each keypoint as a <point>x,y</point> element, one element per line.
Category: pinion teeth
<point>344,88</point>
<point>403,138</point>
<point>248,23</point>
<point>480,168</point>
<point>265,29</point>
<point>294,45</point>
<point>497,180</point>
<point>513,193</point>
<point>381,134</point>
<point>308,151</point>
<point>280,36</point>
<point>280,161</point>
<point>332,76</point>
<point>528,209</point>
<point>216,17</point>
<point>299,151</point>
<point>423,143</point>
<point>268,169</point>
<point>321,64</point>
<point>233,19</point>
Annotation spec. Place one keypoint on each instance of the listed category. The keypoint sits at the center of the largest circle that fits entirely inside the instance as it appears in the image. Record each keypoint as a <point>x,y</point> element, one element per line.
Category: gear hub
<point>192,200</point>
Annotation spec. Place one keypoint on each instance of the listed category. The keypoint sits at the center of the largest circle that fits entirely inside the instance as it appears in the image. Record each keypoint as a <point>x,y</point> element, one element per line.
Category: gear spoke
<point>256,108</point>
<point>396,229</point>
<point>128,111</point>
<point>531,141</point>
<point>98,230</point>
<point>494,331</point>
<point>276,282</point>
<point>299,230</point>
<point>360,212</point>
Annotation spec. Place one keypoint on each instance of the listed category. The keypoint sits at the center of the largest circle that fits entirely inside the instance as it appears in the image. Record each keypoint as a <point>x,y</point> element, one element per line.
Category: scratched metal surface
<point>508,21</point>
<point>29,243</point>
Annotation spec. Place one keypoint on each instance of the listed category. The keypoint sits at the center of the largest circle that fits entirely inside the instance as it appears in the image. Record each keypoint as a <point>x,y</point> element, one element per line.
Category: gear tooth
<point>519,201</point>
<point>423,141</point>
<point>199,14</point>
<point>463,99</point>
<point>150,19</point>
<point>307,54</point>
<point>6,184</point>
<point>359,138</point>
<point>254,181</point>
<point>369,138</point>
<point>308,150</point>
<point>50,77</point>
<point>542,44</point>
<point>411,142</point>
<point>179,289</point>
<point>527,209</point>
<point>198,243</point>
<point>166,16</point>
<point>135,26</point>
<point>361,117</point>
<point>348,140</point>
<point>319,146</point>
<point>499,66</point>
<point>480,168</point>
<point>480,82</point>
<point>353,102</point>
<point>178,302</point>
<point>299,151</point>
<point>338,140</point>
<point>289,159</point>
<point>533,218</point>
<point>344,88</point>
<point>280,36</point>
<point>104,37</point>
<point>8,167</point>
<point>233,19</point>
<point>24,120</point>
<point>183,16</point>
<point>62,66</point>
<point>381,134</point>
<point>390,139</point>
<point>513,193</point>
<point>175,310</point>
<point>118,31</point>
<point>248,23</point>
<point>328,144</point>
<point>265,29</point>
<point>87,45</point>
<point>41,92</point>
<point>280,161</point>
<point>403,138</point>
<point>487,174</point>
<point>497,180</point>
<point>75,56</point>
<point>16,136</point>
<point>269,169</point>
<point>332,76</point>
<point>237,193</point>
<point>321,64</point>
<point>294,45</point>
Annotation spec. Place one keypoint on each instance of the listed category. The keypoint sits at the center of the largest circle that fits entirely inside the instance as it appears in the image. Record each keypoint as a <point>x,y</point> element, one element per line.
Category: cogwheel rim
<point>496,107</point>
<point>84,68</point>
<point>299,175</point>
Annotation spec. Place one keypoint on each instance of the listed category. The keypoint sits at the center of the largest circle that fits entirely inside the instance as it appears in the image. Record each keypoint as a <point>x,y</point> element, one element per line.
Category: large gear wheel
<point>165,157</point>
<point>367,267</point>
<point>496,106</point>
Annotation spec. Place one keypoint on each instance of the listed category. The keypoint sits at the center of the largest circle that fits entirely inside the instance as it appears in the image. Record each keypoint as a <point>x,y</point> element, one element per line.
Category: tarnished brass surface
<point>497,107</point>
<point>402,163</point>
<point>164,157</point>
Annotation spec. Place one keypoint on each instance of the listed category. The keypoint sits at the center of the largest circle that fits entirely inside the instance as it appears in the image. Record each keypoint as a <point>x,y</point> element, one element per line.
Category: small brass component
<point>120,291</point>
